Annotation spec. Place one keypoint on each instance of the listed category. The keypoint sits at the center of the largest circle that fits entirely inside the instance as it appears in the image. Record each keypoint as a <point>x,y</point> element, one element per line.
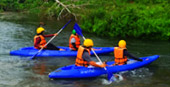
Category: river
<point>18,30</point>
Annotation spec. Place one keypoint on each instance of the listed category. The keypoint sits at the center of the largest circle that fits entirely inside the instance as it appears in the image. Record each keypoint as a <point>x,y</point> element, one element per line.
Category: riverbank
<point>111,19</point>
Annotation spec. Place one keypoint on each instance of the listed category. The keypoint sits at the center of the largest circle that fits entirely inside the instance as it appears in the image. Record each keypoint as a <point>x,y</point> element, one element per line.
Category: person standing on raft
<point>39,39</point>
<point>121,53</point>
<point>83,55</point>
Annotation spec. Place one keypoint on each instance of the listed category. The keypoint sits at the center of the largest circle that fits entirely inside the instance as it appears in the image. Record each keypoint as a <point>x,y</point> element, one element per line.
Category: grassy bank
<point>108,18</point>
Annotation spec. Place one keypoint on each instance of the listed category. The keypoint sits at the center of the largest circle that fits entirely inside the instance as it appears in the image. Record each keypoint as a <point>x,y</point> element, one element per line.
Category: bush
<point>130,20</point>
<point>109,18</point>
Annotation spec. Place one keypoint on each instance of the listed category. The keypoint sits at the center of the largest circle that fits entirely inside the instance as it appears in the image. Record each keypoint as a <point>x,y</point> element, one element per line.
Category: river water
<point>18,30</point>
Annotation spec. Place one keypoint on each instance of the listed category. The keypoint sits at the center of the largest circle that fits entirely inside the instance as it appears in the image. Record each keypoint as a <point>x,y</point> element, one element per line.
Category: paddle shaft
<point>96,55</point>
<point>78,30</point>
<point>50,40</point>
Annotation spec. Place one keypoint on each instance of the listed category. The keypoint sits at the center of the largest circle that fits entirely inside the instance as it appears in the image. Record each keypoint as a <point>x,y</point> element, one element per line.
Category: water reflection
<point>40,68</point>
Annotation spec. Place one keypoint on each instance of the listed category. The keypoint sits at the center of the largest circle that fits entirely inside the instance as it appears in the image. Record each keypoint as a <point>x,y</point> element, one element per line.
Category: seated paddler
<point>83,55</point>
<point>121,53</point>
<point>74,41</point>
<point>40,42</point>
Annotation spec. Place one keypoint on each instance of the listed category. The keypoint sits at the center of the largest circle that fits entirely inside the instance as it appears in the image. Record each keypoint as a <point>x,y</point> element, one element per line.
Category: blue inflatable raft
<point>30,51</point>
<point>73,71</point>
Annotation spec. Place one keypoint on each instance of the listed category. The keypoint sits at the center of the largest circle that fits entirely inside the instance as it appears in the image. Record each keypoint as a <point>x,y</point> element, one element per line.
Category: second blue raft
<point>72,71</point>
<point>30,51</point>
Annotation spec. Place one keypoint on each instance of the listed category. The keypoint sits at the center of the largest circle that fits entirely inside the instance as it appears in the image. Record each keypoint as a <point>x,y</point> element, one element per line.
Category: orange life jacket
<point>120,59</point>
<point>77,41</point>
<point>42,43</point>
<point>79,60</point>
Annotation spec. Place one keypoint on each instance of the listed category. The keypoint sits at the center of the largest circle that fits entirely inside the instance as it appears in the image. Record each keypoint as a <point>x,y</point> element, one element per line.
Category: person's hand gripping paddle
<point>79,32</point>
<point>34,56</point>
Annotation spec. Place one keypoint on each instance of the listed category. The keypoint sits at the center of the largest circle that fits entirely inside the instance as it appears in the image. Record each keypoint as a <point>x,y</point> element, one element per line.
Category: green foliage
<point>53,11</point>
<point>136,20</point>
<point>110,18</point>
<point>21,5</point>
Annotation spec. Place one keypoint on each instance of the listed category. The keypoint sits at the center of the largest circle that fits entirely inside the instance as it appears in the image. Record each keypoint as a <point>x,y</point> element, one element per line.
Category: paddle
<point>34,56</point>
<point>79,32</point>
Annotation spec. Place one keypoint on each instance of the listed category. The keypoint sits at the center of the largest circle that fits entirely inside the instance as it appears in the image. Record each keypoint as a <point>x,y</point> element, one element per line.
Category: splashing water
<point>114,78</point>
